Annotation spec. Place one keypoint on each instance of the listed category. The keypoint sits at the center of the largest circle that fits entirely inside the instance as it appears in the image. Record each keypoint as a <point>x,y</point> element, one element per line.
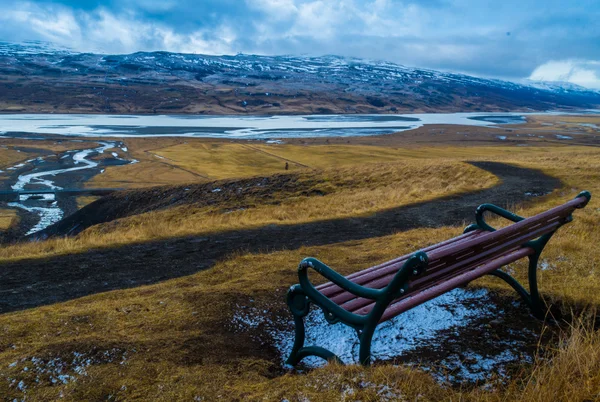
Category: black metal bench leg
<point>532,298</point>
<point>537,305</point>
<point>300,306</point>
<point>514,284</point>
<point>534,295</point>
<point>364,354</point>
<point>299,338</point>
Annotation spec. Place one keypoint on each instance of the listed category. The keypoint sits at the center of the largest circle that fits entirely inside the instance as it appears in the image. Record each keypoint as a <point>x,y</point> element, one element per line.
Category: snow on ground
<point>30,371</point>
<point>20,165</point>
<point>416,328</point>
<point>590,125</point>
<point>474,367</point>
<point>48,216</point>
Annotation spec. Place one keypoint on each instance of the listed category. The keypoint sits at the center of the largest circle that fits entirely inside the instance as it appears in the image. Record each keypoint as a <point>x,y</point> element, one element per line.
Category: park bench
<point>367,298</point>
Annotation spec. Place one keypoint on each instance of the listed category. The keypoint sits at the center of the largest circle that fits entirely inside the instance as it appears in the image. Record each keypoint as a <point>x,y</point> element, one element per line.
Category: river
<point>239,127</point>
<point>50,172</point>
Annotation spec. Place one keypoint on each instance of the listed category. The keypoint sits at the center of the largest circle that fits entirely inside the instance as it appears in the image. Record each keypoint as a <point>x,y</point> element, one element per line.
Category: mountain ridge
<point>39,78</point>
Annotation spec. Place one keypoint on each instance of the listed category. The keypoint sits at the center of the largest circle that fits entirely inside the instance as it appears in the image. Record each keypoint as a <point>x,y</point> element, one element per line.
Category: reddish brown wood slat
<point>330,289</point>
<point>356,305</point>
<point>406,304</point>
<point>437,272</point>
<point>453,262</point>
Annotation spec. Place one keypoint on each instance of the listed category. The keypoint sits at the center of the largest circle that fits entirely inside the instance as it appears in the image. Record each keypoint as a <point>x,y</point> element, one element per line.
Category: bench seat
<point>379,293</point>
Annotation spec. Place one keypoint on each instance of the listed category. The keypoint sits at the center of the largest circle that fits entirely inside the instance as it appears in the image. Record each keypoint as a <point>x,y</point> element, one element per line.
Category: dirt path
<point>36,282</point>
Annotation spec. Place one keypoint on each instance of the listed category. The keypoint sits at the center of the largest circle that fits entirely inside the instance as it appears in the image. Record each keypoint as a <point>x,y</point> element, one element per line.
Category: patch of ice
<point>563,137</point>
<point>474,367</point>
<point>124,149</point>
<point>48,216</point>
<point>501,137</point>
<point>535,194</point>
<point>216,190</point>
<point>15,167</point>
<point>45,197</point>
<point>133,161</point>
<point>115,155</point>
<point>391,339</point>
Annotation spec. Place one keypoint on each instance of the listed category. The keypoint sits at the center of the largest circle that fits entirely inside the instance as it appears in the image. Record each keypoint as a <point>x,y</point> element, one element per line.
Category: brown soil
<point>29,283</point>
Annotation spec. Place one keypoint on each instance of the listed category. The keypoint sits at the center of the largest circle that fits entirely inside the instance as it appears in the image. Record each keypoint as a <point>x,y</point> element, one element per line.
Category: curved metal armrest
<point>331,309</point>
<point>334,277</point>
<point>496,210</point>
<point>414,266</point>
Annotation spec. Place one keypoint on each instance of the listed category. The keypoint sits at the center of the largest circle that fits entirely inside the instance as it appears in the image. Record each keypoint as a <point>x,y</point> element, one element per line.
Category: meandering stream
<point>41,174</point>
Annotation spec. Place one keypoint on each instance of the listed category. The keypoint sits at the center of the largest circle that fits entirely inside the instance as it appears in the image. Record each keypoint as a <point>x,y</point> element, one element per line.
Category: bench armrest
<point>334,277</point>
<point>481,223</point>
<point>415,265</point>
<point>332,310</point>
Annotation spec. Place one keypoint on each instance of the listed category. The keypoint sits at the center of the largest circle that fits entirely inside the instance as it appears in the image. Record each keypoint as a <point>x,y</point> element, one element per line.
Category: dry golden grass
<point>10,157</point>
<point>347,192</point>
<point>85,200</point>
<point>584,123</point>
<point>173,341</point>
<point>218,160</point>
<point>54,145</point>
<point>146,173</point>
<point>325,156</point>
<point>7,218</point>
<point>150,171</point>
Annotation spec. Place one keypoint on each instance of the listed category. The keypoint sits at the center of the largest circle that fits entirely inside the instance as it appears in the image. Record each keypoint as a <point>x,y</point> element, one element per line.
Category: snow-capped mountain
<point>41,78</point>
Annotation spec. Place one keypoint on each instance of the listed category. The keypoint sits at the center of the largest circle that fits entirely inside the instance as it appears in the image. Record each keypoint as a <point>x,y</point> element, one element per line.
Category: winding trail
<point>30,283</point>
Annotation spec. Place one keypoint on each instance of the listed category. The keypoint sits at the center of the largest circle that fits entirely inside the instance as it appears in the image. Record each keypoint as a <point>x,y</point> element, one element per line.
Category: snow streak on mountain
<point>40,78</point>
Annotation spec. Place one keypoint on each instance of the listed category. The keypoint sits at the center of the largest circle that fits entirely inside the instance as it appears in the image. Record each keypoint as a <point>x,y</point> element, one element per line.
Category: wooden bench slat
<point>453,283</point>
<point>357,305</point>
<point>363,277</point>
<point>554,214</point>
<point>439,272</point>
<point>330,289</point>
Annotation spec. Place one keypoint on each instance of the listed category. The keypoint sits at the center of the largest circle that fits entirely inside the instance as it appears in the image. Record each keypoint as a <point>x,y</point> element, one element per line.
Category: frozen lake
<point>239,127</point>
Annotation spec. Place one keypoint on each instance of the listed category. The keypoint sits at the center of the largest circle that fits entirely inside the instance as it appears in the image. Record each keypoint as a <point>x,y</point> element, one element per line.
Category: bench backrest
<point>491,244</point>
<point>454,256</point>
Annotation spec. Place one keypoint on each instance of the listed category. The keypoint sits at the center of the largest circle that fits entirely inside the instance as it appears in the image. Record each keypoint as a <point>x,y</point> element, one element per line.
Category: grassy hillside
<point>176,340</point>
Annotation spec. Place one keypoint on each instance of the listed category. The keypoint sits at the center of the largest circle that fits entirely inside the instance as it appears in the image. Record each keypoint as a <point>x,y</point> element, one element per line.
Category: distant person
<point>287,166</point>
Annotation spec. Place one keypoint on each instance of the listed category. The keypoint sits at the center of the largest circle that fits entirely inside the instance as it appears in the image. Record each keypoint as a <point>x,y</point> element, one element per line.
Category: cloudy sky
<point>541,39</point>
